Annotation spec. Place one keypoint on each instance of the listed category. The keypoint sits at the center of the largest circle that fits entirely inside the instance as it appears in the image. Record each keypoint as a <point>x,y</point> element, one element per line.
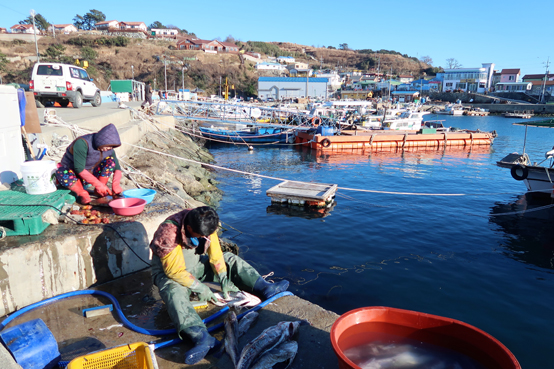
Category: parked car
<point>64,84</point>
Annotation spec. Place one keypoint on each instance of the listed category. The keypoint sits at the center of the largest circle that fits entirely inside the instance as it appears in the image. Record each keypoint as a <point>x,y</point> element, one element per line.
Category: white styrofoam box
<point>11,144</point>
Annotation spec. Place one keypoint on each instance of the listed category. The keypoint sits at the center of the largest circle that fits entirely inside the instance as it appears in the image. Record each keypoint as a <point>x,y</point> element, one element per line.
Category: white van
<point>63,83</point>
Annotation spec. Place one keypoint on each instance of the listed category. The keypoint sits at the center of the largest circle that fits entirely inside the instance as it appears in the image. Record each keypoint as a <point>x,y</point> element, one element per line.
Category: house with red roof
<point>229,47</point>
<point>197,44</point>
<point>134,26</point>
<point>537,77</point>
<point>24,28</point>
<point>509,75</point>
<point>105,25</point>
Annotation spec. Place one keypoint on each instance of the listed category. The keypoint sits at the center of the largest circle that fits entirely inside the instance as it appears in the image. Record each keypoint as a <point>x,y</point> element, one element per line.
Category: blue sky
<point>511,34</point>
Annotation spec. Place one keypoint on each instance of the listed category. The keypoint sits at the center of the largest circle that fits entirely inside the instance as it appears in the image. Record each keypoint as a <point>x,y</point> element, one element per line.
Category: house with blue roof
<point>292,87</point>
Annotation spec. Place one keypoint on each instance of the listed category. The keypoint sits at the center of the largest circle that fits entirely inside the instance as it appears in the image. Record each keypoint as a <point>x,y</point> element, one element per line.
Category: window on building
<point>449,84</point>
<point>511,78</point>
<point>481,85</point>
<point>462,86</point>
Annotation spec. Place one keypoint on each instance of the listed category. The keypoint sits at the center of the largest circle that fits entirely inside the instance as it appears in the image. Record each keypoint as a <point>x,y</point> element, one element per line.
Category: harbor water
<point>444,232</point>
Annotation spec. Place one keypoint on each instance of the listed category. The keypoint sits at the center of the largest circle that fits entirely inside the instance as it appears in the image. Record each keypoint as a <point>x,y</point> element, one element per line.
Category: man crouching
<point>186,253</point>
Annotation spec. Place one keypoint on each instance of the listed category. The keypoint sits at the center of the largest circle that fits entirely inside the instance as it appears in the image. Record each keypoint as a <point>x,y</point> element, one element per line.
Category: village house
<point>106,25</point>
<point>3,30</point>
<point>62,28</point>
<point>230,47</point>
<point>134,26</point>
<point>509,75</point>
<point>197,44</point>
<point>537,77</point>
<point>270,66</point>
<point>165,32</point>
<point>208,46</point>
<point>405,78</point>
<point>24,28</point>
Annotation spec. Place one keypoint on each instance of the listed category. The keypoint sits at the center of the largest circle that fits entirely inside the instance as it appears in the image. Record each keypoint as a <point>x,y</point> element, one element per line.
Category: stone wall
<point>126,34</point>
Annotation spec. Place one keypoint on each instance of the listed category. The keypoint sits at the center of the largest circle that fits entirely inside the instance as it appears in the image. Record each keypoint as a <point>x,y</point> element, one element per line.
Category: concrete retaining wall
<point>61,260</point>
<point>66,257</point>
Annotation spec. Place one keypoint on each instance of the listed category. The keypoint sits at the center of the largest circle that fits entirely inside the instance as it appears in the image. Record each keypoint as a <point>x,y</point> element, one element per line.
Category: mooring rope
<point>303,182</point>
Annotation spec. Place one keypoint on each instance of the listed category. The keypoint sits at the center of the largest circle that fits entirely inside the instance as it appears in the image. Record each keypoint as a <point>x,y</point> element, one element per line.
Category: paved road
<point>86,111</point>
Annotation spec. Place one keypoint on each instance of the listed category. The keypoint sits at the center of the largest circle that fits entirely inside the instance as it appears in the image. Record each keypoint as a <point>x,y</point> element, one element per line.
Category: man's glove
<point>115,182</point>
<point>205,294</point>
<point>226,285</point>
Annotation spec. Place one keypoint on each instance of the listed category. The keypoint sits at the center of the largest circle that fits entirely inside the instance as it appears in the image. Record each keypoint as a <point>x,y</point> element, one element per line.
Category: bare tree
<point>426,59</point>
<point>452,63</point>
<point>230,39</point>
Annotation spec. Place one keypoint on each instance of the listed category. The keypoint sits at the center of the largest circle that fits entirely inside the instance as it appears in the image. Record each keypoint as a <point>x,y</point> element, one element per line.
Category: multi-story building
<point>468,79</point>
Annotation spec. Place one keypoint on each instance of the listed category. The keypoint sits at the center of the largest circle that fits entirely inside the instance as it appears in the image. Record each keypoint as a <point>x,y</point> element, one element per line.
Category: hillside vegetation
<point>117,57</point>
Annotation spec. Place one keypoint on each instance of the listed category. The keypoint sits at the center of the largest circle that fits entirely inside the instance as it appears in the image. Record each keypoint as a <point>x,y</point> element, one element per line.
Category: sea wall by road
<point>69,257</point>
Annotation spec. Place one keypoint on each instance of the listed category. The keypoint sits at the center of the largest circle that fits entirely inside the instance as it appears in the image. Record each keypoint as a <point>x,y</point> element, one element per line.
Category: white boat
<point>407,121</point>
<point>524,114</point>
<point>537,176</point>
<point>451,109</point>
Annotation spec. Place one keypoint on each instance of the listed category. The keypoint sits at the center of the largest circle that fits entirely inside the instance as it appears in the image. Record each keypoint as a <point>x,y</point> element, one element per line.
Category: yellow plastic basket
<point>130,356</point>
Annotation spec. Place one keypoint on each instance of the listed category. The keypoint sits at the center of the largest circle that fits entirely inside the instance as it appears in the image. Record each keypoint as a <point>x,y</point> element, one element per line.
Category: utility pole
<point>165,76</point>
<point>35,33</point>
<point>545,78</point>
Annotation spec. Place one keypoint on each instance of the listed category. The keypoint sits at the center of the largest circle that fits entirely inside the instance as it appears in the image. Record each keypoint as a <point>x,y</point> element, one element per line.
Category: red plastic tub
<point>127,206</point>
<point>448,333</point>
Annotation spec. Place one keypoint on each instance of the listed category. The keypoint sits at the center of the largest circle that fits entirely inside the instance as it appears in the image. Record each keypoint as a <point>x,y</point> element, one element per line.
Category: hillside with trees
<point>149,59</point>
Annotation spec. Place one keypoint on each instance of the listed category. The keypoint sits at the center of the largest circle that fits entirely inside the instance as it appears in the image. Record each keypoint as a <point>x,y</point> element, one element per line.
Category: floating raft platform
<point>383,140</point>
<point>303,194</point>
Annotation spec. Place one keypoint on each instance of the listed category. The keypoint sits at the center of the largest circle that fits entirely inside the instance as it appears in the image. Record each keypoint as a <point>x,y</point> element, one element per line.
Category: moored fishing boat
<point>537,176</point>
<point>249,135</point>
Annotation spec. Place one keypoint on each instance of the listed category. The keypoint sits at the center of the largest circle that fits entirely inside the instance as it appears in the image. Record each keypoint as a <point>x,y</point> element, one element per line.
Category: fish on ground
<point>231,337</point>
<point>246,322</point>
<point>282,352</point>
<point>267,340</point>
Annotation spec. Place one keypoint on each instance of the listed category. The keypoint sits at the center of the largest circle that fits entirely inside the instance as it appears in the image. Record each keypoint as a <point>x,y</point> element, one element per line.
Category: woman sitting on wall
<point>90,159</point>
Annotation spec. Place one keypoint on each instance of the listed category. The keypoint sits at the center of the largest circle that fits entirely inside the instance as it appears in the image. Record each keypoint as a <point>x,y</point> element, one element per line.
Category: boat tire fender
<point>519,172</point>
<point>326,142</point>
<point>316,121</point>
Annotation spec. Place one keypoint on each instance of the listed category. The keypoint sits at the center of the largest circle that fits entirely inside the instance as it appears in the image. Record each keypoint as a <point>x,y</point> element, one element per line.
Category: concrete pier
<point>115,258</point>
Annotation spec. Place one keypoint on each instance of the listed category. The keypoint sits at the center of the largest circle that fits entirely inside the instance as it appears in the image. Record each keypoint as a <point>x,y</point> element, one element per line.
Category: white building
<point>62,28</point>
<point>106,24</point>
<point>335,81</point>
<point>468,79</point>
<point>24,28</point>
<point>270,66</point>
<point>291,87</point>
<point>133,25</point>
<point>165,32</point>
<point>285,59</point>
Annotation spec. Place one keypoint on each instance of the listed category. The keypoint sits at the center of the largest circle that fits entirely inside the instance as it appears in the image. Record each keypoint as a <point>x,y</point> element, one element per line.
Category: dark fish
<point>231,337</point>
<point>282,352</point>
<point>267,340</point>
<point>246,321</point>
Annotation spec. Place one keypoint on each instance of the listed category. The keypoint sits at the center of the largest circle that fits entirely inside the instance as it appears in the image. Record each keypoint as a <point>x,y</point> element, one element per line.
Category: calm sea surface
<point>485,258</point>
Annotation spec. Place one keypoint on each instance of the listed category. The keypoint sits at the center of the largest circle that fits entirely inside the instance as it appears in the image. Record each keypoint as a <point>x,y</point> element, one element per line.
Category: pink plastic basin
<point>127,206</point>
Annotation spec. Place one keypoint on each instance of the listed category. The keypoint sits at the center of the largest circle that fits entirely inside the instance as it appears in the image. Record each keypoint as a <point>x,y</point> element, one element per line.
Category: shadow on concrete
<point>120,249</point>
